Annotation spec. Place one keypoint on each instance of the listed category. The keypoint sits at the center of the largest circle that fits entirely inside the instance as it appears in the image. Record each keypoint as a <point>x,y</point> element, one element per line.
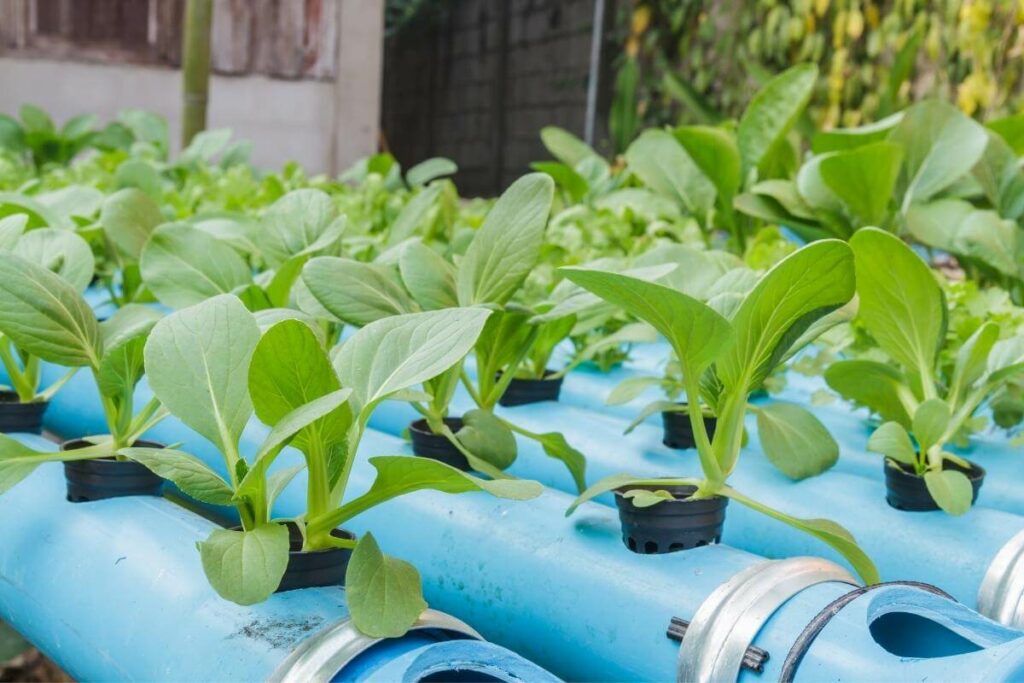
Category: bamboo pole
<point>195,67</point>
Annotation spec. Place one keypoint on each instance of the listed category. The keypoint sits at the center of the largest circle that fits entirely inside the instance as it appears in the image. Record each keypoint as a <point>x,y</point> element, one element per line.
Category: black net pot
<point>102,478</point>
<point>905,490</point>
<point>312,568</point>
<point>15,416</point>
<point>426,444</point>
<point>521,392</point>
<point>670,525</point>
<point>679,432</point>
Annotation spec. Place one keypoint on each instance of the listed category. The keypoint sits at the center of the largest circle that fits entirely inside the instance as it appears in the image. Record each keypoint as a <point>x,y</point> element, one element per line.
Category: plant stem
<point>196,66</point>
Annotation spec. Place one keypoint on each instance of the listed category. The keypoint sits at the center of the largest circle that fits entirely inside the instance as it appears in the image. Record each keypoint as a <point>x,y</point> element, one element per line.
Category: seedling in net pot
<point>197,360</point>
<point>902,307</point>
<point>490,273</point>
<point>724,358</point>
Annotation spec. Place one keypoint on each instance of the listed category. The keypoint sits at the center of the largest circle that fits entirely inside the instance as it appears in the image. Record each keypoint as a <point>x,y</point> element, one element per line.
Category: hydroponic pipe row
<point>564,593</point>
<point>125,599</point>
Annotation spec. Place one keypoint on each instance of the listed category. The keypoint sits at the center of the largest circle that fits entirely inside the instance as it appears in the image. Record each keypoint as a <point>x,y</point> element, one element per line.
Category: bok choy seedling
<point>45,316</point>
<point>726,356</point>
<point>902,307</point>
<point>213,369</point>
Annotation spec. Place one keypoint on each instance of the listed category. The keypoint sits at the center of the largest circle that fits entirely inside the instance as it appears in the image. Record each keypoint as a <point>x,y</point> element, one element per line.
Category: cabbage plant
<point>725,354</point>
<point>213,368</point>
<point>903,308</point>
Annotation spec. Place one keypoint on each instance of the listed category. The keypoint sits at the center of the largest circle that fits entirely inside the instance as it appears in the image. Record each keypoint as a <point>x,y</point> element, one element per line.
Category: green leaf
<point>556,446</point>
<point>1011,129</point>
<point>428,276</point>
<point>795,441</point>
<point>129,217</point>
<point>716,155</point>
<point>358,293</point>
<point>565,146</point>
<point>412,216</point>
<point>698,334</point>
<point>662,164</point>
<point>864,178</point>
<point>930,422</point>
<point>507,246</point>
<point>488,438</point>
<point>941,145</point>
<point>404,350</point>
<point>900,301</point>
<point>301,222</point>
<point>289,369</point>
<point>892,440</point>
<point>972,357</point>
<point>1006,360</point>
<point>824,530</point>
<point>565,178</point>
<point>11,229</point>
<point>621,481</point>
<point>773,112</point>
<point>951,490</point>
<point>840,139</point>
<point>299,419</point>
<point>956,226</point>
<point>384,593</point>
<point>60,251</point>
<point>17,461</point>
<point>183,265</point>
<point>187,472</point>
<point>197,359</point>
<point>45,315</point>
<point>430,169</point>
<point>124,337</point>
<point>870,383</point>
<point>804,287</point>
<point>245,567</point>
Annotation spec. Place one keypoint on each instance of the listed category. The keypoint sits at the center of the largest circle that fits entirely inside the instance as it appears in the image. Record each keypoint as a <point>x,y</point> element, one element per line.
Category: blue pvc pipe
<point>565,592</point>
<point>114,590</point>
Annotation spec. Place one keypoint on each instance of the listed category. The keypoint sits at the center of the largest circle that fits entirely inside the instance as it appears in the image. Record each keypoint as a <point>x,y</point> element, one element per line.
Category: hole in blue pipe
<point>911,635</point>
<point>459,677</point>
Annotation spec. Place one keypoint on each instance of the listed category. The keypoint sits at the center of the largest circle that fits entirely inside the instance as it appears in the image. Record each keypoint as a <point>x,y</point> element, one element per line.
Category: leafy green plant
<point>902,307</point>
<point>44,316</point>
<point>213,368</point>
<point>725,355</point>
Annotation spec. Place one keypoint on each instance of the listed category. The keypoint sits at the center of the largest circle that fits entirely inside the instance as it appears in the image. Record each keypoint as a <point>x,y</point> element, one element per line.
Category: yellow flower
<point>641,19</point>
<point>855,24</point>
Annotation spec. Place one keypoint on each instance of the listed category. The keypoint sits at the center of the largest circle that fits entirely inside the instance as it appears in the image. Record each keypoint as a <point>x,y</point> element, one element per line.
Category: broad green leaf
<point>892,440</point>
<point>795,441</point>
<point>773,112</point>
<point>1011,129</point>
<point>900,301</point>
<point>824,530</point>
<point>289,369</point>
<point>804,287</point>
<point>1001,178</point>
<point>507,246</point>
<point>39,215</point>
<point>300,419</point>
<point>955,225</point>
<point>412,216</point>
<point>870,383</point>
<point>36,120</point>
<point>698,334</point>
<point>695,274</point>
<point>404,350</point>
<point>488,438</point>
<point>124,338</point>
<point>840,139</point>
<point>197,360</point>
<point>269,317</point>
<point>622,481</point>
<point>663,165</point>
<point>297,223</point>
<point>930,422</point>
<point>384,593</point>
<point>972,357</point>
<point>716,155</point>
<point>941,145</point>
<point>428,277</point>
<point>205,146</point>
<point>187,472</point>
<point>430,169</point>
<point>245,567</point>
<point>502,340</point>
<point>1005,360</point>
<point>129,217</point>
<point>566,178</point>
<point>140,175</point>
<point>951,490</point>
<point>11,229</point>
<point>183,266</point>
<point>17,461</point>
<point>46,316</point>
<point>565,146</point>
<point>73,202</point>
<point>60,251</point>
<point>556,446</point>
<point>864,178</point>
<point>358,293</point>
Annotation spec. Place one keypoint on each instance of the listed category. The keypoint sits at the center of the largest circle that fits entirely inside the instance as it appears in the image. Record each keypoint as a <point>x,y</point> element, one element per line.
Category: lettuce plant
<point>903,308</point>
<point>725,355</point>
<point>44,316</point>
<point>213,368</point>
<point>490,273</point>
